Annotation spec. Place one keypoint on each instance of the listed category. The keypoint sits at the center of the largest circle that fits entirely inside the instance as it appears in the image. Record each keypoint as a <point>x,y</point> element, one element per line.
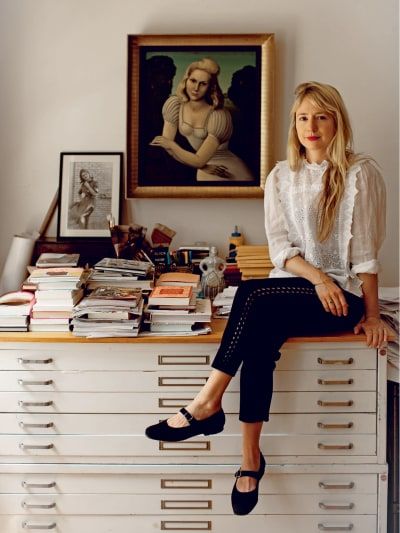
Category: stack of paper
<point>175,310</point>
<point>223,302</point>
<point>15,309</point>
<point>108,312</point>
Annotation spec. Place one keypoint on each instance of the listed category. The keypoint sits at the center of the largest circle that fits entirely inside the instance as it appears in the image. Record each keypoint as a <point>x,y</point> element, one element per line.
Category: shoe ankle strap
<point>247,473</point>
<point>186,414</point>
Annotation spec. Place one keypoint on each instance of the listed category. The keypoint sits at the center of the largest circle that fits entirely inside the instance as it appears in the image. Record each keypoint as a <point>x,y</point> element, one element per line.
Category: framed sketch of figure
<point>88,193</point>
<point>199,115</point>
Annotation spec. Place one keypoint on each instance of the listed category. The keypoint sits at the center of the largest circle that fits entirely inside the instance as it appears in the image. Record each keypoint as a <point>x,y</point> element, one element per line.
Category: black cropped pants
<point>265,313</point>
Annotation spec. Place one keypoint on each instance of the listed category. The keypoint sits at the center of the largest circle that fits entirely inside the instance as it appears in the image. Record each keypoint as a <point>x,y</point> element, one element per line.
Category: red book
<point>170,295</point>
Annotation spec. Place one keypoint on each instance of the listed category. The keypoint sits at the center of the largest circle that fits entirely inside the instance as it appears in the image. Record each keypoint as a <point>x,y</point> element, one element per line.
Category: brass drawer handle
<point>27,485</point>
<point>186,504</point>
<point>189,446</point>
<point>346,425</point>
<point>45,425</point>
<point>45,382</point>
<point>348,361</point>
<point>21,403</point>
<point>173,402</point>
<point>323,527</point>
<point>186,483</point>
<point>26,505</point>
<point>349,381</point>
<point>23,361</point>
<point>336,506</point>
<point>347,403</point>
<point>176,381</point>
<point>36,446</point>
<point>323,446</point>
<point>185,360</point>
<point>339,486</point>
<point>186,525</point>
<point>27,525</point>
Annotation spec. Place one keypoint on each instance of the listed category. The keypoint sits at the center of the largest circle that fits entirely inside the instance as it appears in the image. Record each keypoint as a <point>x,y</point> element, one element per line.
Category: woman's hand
<point>375,329</point>
<point>332,297</point>
<point>162,141</point>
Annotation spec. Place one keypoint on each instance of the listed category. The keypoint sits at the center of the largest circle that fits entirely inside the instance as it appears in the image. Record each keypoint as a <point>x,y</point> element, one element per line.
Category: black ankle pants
<point>265,313</point>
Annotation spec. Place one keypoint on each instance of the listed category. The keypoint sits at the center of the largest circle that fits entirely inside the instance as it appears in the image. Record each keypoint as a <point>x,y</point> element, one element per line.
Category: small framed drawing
<point>89,193</point>
<point>200,115</point>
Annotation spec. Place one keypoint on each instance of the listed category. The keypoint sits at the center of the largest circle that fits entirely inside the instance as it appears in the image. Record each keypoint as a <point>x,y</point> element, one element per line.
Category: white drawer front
<point>108,357</point>
<point>324,484</point>
<point>92,504</point>
<point>128,424</point>
<point>131,381</point>
<point>327,358</point>
<point>174,356</point>
<point>222,445</point>
<point>282,402</point>
<point>177,523</point>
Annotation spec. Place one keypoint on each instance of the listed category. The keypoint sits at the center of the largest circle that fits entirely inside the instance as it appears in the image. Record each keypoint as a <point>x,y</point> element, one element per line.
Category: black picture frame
<point>89,194</point>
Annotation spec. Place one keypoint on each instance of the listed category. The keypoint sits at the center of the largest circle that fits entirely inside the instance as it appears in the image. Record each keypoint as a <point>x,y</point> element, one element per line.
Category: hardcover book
<point>170,295</point>
<point>50,259</point>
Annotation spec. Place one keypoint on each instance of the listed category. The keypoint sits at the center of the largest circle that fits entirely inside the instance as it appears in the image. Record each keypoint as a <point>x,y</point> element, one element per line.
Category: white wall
<point>63,88</point>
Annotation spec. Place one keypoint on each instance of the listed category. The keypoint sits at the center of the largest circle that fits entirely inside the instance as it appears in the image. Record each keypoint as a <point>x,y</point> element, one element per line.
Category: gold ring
<point>331,301</point>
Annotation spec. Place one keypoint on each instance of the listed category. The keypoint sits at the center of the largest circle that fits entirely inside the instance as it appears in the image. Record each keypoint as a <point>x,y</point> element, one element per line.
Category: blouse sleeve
<point>369,218</point>
<point>170,110</point>
<point>280,248</point>
<point>220,125</point>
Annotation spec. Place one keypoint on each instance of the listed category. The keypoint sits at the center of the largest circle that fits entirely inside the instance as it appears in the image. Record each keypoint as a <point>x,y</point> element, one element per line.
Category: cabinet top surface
<point>214,337</point>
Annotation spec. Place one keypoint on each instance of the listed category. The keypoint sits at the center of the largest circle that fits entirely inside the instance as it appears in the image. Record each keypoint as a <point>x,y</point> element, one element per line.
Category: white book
<point>202,313</point>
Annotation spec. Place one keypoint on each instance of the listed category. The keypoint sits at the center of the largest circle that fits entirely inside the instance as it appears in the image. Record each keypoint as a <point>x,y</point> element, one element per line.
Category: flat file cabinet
<point>74,458</point>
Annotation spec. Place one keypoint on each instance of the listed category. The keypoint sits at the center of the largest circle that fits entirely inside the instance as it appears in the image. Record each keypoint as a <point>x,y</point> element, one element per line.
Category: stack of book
<point>223,302</point>
<point>180,279</point>
<point>15,309</point>
<point>57,290</point>
<point>253,261</point>
<point>127,273</point>
<point>192,254</point>
<point>175,310</point>
<point>108,312</point>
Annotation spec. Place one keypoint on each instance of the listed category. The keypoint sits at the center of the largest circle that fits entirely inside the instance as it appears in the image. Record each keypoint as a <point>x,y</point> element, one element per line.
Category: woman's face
<point>85,175</point>
<point>197,85</point>
<point>315,129</point>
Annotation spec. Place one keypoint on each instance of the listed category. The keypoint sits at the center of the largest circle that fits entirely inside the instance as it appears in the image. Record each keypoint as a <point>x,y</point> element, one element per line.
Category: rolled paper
<point>18,258</point>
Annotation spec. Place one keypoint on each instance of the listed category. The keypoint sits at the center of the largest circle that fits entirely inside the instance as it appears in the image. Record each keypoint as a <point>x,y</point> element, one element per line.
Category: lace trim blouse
<point>291,201</point>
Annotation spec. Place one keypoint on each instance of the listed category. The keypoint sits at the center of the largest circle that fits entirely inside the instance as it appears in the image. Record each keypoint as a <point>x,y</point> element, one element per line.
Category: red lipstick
<point>313,138</point>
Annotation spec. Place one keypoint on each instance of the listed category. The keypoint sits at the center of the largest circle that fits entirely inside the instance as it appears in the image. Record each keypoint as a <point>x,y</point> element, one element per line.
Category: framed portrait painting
<point>89,193</point>
<point>200,115</point>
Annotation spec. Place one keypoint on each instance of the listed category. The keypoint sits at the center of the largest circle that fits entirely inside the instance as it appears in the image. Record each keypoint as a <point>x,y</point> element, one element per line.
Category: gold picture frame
<point>243,125</point>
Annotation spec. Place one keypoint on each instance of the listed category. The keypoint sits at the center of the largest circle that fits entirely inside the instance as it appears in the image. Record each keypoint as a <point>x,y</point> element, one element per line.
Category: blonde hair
<point>214,94</point>
<point>339,154</point>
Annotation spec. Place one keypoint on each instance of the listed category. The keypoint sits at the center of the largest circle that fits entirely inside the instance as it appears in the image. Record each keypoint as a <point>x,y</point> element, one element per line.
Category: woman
<point>324,219</point>
<point>197,112</point>
<point>81,210</point>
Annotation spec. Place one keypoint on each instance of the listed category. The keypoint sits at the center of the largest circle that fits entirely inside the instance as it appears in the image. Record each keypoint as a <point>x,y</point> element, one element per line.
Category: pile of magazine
<point>223,302</point>
<point>15,309</point>
<point>128,273</point>
<point>108,312</point>
<point>174,309</point>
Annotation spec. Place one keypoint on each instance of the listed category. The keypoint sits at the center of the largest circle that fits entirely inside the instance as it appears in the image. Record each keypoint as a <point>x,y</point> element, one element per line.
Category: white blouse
<point>291,201</point>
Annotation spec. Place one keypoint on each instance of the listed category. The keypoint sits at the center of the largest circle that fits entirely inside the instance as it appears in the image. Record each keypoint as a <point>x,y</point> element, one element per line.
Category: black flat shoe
<point>162,431</point>
<point>244,502</point>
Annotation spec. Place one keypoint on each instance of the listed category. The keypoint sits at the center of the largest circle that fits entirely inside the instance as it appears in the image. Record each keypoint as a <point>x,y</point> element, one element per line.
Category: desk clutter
<point>130,285</point>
